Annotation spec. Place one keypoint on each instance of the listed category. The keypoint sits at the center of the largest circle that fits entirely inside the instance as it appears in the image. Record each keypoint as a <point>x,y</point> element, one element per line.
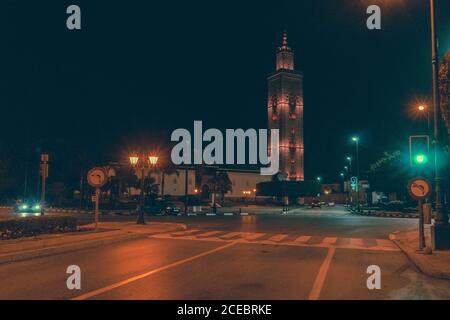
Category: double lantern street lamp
<point>142,163</point>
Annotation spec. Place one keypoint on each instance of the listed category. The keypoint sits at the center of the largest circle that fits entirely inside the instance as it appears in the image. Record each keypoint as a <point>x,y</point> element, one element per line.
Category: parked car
<point>170,210</point>
<point>316,204</point>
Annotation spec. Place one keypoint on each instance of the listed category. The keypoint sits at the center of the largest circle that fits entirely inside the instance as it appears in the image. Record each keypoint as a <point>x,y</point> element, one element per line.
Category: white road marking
<point>253,236</point>
<point>149,273</point>
<point>303,239</point>
<point>278,237</point>
<point>230,235</point>
<point>183,233</point>
<point>314,294</point>
<point>208,234</point>
<point>357,242</point>
<point>330,240</point>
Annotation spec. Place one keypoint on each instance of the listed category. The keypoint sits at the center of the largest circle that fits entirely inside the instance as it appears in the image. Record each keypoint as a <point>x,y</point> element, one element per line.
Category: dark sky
<point>139,69</point>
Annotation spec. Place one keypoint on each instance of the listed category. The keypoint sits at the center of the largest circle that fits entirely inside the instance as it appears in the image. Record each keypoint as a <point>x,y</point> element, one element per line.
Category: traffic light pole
<point>440,229</point>
<point>358,205</point>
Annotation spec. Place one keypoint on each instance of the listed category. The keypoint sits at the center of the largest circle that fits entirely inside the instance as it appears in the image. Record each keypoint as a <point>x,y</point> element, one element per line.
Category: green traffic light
<point>420,159</point>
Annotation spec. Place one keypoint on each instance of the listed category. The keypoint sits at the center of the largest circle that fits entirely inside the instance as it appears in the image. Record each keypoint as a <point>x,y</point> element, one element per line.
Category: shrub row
<point>31,226</point>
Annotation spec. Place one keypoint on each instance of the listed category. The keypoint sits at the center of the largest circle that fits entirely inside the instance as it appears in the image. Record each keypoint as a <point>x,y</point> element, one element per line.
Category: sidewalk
<point>108,232</point>
<point>435,265</point>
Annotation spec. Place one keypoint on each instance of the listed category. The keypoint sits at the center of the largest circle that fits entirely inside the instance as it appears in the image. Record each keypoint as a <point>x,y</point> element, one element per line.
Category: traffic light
<point>419,150</point>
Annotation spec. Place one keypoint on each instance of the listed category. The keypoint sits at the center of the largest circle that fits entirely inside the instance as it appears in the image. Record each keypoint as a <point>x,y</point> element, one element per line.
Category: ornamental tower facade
<point>285,112</point>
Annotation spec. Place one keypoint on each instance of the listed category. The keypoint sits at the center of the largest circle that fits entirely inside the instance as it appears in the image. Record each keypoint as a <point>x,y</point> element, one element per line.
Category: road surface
<point>308,254</point>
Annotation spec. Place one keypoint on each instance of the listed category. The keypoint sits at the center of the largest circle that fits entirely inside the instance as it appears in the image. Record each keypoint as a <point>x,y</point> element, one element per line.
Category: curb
<point>53,250</point>
<point>423,266</point>
<point>387,215</point>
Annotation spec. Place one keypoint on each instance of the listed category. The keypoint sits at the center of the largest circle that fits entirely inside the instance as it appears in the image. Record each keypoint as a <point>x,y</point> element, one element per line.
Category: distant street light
<point>142,163</point>
<point>422,108</point>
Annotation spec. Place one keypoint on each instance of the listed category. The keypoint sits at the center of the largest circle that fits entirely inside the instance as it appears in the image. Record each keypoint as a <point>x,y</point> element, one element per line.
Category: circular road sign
<point>97,177</point>
<point>419,188</point>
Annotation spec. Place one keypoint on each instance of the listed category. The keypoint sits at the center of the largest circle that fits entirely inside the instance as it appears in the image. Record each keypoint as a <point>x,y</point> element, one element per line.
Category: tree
<point>222,184</point>
<point>390,173</point>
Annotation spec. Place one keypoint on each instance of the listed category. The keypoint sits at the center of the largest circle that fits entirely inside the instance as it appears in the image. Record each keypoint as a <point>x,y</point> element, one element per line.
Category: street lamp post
<point>440,228</point>
<point>349,159</point>
<point>142,163</point>
<point>356,141</point>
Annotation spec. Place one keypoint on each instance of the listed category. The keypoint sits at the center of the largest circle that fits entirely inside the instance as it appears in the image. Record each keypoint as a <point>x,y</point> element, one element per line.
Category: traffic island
<point>435,264</point>
<point>52,244</point>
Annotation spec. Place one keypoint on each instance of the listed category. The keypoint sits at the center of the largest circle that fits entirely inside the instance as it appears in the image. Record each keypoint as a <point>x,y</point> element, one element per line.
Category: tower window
<point>274,104</point>
<point>292,103</point>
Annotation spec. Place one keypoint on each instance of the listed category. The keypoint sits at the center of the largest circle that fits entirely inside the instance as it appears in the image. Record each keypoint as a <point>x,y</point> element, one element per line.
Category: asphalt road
<point>308,254</point>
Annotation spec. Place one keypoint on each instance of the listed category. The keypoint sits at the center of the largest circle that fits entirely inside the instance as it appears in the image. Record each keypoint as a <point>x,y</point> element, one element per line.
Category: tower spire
<point>285,56</point>
<point>284,45</point>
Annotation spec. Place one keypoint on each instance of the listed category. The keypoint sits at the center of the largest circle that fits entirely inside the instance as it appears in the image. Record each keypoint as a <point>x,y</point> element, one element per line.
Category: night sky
<point>139,69</point>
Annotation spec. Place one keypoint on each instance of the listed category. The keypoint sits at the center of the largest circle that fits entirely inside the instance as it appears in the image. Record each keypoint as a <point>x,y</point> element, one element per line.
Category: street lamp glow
<point>153,160</point>
<point>342,174</point>
<point>349,158</point>
<point>355,139</point>
<point>421,108</point>
<point>134,160</point>
<point>319,179</point>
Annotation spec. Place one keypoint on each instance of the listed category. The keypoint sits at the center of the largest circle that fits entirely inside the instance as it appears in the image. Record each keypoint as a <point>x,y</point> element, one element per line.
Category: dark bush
<point>31,226</point>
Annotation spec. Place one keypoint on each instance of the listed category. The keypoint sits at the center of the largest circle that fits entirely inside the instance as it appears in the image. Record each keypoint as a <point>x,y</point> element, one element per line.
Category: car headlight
<point>37,207</point>
<point>24,206</point>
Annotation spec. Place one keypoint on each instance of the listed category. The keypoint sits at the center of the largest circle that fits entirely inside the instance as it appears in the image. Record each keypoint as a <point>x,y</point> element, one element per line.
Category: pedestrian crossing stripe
<point>282,239</point>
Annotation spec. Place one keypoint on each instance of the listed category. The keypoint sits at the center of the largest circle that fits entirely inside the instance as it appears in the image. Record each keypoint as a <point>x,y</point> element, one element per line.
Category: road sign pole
<point>421,229</point>
<point>97,178</point>
<point>419,189</point>
<point>97,197</point>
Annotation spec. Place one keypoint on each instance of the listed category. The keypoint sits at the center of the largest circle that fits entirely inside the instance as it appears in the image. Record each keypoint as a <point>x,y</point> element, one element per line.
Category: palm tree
<point>222,184</point>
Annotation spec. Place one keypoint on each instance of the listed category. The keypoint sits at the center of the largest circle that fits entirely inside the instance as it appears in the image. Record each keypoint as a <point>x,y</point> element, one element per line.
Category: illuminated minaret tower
<point>285,111</point>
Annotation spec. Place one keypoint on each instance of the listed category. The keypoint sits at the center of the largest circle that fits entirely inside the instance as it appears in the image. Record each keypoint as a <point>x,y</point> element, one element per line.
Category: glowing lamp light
<point>134,160</point>
<point>355,139</point>
<point>421,108</point>
<point>153,160</point>
<point>421,159</point>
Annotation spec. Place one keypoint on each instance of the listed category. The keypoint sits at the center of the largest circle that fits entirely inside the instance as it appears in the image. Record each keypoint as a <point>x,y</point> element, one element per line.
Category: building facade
<point>285,112</point>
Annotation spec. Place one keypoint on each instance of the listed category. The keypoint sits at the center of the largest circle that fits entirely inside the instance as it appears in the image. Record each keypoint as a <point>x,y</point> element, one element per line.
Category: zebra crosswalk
<point>282,239</point>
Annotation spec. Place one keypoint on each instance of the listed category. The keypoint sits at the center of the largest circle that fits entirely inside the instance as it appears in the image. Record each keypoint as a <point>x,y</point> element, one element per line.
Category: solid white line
<point>144,275</point>
<point>321,276</point>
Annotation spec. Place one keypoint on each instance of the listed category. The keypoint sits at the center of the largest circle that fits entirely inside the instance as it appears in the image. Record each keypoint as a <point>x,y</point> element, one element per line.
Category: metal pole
<point>357,175</point>
<point>214,193</point>
<point>186,191</point>
<point>141,200</point>
<point>97,200</point>
<point>441,228</point>
<point>421,229</point>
